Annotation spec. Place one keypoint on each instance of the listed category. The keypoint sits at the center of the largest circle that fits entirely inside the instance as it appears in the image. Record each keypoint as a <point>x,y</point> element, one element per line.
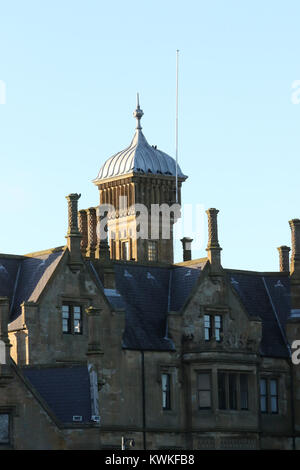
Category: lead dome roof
<point>139,158</point>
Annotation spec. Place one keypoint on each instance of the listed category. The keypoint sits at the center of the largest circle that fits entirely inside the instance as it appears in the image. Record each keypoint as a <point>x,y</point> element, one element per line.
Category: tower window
<point>152,250</point>
<point>125,250</point>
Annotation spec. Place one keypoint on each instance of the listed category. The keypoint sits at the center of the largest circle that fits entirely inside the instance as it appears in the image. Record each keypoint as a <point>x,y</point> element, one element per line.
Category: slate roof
<point>23,279</point>
<point>147,294</point>
<point>267,296</point>
<point>66,390</point>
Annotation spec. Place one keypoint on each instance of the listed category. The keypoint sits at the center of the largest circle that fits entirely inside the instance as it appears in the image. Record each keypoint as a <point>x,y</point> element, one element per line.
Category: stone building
<point>106,338</point>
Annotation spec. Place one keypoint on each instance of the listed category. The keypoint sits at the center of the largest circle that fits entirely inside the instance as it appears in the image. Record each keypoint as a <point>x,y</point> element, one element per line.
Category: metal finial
<point>138,113</point>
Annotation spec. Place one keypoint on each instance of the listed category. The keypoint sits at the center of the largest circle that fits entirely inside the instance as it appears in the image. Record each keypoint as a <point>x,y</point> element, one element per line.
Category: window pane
<point>66,319</point>
<point>207,329</point>
<point>204,398</point>
<point>222,390</point>
<point>273,387</point>
<point>65,326</point>
<point>244,391</point>
<point>4,428</point>
<point>204,390</point>
<point>204,381</point>
<point>274,407</point>
<point>232,391</point>
<point>125,250</point>
<point>263,386</point>
<point>263,404</point>
<point>218,327</point>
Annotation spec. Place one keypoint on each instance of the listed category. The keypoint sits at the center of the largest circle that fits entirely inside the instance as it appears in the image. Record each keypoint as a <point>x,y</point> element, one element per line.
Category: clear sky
<point>72,70</point>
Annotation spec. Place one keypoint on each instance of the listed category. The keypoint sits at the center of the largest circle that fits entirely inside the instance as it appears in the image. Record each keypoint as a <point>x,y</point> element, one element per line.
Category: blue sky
<point>72,70</point>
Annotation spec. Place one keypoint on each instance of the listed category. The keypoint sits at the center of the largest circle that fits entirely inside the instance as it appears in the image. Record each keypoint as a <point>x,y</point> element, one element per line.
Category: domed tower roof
<point>139,158</point>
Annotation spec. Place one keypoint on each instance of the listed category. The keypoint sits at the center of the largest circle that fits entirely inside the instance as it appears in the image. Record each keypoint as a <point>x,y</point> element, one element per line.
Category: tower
<point>138,187</point>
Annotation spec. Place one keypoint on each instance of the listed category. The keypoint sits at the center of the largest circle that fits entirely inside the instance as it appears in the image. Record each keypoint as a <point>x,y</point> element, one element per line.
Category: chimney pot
<point>187,248</point>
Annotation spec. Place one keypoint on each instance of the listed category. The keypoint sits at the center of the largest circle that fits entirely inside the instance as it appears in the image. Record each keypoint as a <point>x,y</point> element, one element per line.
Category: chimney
<point>295,265</point>
<point>102,250</point>
<point>284,260</point>
<point>73,234</point>
<point>92,232</point>
<point>83,229</point>
<point>295,258</point>
<point>213,248</point>
<point>187,248</point>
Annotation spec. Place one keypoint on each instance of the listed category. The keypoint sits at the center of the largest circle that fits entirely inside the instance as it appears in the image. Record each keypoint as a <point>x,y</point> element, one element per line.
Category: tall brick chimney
<point>92,232</point>
<point>82,225</point>
<point>213,248</point>
<point>295,264</point>
<point>73,234</point>
<point>187,248</point>
<point>284,258</point>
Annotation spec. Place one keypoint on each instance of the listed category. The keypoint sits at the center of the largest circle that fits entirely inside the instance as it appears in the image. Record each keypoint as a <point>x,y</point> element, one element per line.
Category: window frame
<point>209,374</point>
<point>210,328</point>
<point>268,395</point>
<point>71,318</point>
<point>231,390</point>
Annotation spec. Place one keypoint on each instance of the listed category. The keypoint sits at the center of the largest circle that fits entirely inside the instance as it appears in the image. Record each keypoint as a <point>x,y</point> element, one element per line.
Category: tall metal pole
<point>176,125</point>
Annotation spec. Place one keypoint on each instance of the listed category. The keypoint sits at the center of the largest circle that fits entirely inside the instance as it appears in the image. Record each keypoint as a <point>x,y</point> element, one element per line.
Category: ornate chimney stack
<point>83,228</point>
<point>213,248</point>
<point>92,232</point>
<point>295,264</point>
<point>187,248</point>
<point>295,258</point>
<point>73,234</point>
<point>284,258</point>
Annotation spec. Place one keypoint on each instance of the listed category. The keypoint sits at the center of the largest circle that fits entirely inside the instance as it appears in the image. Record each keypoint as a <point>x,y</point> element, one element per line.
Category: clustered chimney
<point>213,248</point>
<point>82,224</point>
<point>295,258</point>
<point>284,258</point>
<point>187,248</point>
<point>92,232</point>
<point>73,234</point>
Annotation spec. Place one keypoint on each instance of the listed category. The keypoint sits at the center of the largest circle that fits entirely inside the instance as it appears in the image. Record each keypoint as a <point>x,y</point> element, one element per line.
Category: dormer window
<point>72,319</point>
<point>212,327</point>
